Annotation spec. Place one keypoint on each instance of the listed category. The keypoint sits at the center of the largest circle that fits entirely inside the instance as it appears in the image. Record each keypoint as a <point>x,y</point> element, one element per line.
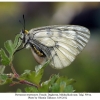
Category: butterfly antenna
<point>20,21</point>
<point>24,22</point>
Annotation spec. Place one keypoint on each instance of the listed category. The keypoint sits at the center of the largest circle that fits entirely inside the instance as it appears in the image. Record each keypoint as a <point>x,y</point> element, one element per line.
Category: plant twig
<point>14,71</point>
<point>28,83</point>
<point>16,75</point>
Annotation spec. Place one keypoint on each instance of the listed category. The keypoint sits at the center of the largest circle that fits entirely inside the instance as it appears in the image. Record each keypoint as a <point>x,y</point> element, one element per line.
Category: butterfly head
<point>24,31</point>
<point>24,36</point>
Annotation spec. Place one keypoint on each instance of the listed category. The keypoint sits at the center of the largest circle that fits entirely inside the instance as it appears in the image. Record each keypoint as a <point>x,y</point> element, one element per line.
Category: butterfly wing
<point>63,42</point>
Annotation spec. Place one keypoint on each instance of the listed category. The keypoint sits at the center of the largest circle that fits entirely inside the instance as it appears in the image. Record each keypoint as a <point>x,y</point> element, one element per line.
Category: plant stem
<point>28,83</point>
<point>14,71</point>
<point>16,75</point>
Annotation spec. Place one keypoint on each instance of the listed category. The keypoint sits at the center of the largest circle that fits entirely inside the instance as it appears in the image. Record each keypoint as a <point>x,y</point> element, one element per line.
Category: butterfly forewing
<point>63,42</point>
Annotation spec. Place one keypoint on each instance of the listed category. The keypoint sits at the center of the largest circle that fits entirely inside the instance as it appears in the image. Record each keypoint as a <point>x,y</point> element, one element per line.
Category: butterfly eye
<point>23,31</point>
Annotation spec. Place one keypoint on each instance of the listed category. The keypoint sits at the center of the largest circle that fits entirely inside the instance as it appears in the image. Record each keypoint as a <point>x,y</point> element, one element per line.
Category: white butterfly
<point>59,43</point>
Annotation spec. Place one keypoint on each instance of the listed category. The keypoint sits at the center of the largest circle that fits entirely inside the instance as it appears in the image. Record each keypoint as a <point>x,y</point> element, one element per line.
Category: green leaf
<point>3,78</point>
<point>62,86</point>
<point>17,41</point>
<point>4,58</point>
<point>70,81</point>
<point>31,89</point>
<point>45,86</point>
<point>39,67</point>
<point>8,81</point>
<point>55,87</point>
<point>39,72</point>
<point>60,83</point>
<point>31,76</point>
<point>64,78</point>
<point>69,88</point>
<point>9,47</point>
<point>26,72</point>
<point>34,76</point>
<point>2,68</point>
<point>53,79</point>
<point>19,90</point>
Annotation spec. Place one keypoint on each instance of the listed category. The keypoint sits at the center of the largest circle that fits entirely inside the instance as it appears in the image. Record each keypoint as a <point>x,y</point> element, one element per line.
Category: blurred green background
<point>86,67</point>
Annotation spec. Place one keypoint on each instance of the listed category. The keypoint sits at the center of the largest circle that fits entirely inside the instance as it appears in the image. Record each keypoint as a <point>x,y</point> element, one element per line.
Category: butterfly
<point>58,43</point>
